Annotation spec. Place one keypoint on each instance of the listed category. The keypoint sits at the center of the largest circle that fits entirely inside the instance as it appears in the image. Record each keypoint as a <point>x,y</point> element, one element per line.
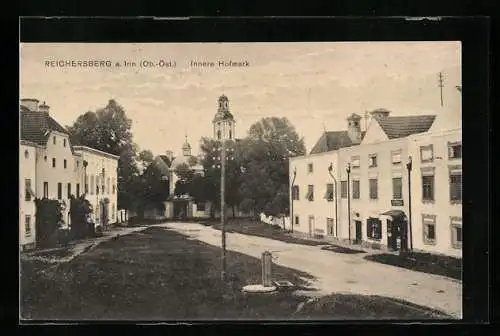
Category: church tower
<point>186,148</point>
<point>224,124</point>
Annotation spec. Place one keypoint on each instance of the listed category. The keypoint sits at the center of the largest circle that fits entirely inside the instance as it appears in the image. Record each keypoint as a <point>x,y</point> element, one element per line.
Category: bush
<point>79,210</point>
<point>48,221</point>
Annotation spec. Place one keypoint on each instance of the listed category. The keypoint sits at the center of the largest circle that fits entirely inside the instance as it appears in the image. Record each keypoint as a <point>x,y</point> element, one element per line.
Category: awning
<point>394,213</point>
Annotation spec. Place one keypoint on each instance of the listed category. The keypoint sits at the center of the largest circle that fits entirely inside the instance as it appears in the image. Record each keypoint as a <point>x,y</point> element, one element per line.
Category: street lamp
<point>292,194</point>
<point>348,170</point>
<point>409,168</point>
<point>330,171</point>
<point>223,159</point>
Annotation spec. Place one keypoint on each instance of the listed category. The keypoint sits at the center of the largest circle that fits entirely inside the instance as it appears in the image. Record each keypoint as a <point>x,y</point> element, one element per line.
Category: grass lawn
<point>422,262</point>
<point>160,275</point>
<point>256,228</point>
<point>58,253</point>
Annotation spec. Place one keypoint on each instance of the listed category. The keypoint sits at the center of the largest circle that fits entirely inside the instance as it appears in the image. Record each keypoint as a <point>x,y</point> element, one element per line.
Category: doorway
<point>311,226</point>
<point>359,234</point>
<point>394,234</point>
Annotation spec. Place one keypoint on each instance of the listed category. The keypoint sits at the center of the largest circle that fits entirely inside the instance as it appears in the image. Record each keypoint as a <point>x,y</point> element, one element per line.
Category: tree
<point>264,159</point>
<point>108,129</point>
<point>145,158</point>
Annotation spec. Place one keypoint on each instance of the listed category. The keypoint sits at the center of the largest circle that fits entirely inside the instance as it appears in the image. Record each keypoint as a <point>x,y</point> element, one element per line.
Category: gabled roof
<point>162,165</point>
<point>331,141</point>
<point>165,159</point>
<point>400,127</point>
<point>36,126</point>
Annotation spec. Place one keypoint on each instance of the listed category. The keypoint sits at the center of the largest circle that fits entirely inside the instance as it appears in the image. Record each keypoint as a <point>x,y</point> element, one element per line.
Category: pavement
<point>339,272</point>
<point>78,247</point>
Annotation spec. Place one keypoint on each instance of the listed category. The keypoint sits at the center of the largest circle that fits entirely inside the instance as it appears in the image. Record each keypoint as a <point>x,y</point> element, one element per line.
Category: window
<point>456,232</point>
<point>218,135</point>
<point>295,193</point>
<point>92,186</point>
<point>65,164</point>
<point>329,192</point>
<point>456,184</point>
<point>355,162</point>
<point>396,157</point>
<point>397,188</point>
<point>297,221</point>
<point>77,164</point>
<point>64,142</point>
<point>374,228</point>
<point>230,134</point>
<point>429,229</point>
<point>45,189</point>
<point>97,185</point>
<point>355,189</point>
<point>310,168</point>
<point>78,190</point>
<point>59,190</point>
<point>428,185</point>
<point>54,140</point>
<point>26,154</point>
<point>343,189</point>
<point>53,162</point>
<point>69,190</point>
<point>114,188</point>
<point>113,210</point>
<point>310,193</point>
<point>86,184</point>
<point>108,181</point>
<point>329,226</point>
<point>426,153</point>
<point>27,225</point>
<point>45,158</point>
<point>28,192</point>
<point>454,150</point>
<point>200,206</point>
<point>373,188</point>
<point>372,161</point>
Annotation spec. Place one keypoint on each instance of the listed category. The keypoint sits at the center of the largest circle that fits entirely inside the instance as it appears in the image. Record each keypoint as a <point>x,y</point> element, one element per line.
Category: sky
<point>315,85</point>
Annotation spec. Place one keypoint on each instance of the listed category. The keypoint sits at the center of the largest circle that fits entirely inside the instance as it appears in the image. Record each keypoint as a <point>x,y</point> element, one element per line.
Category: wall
<point>442,207</point>
<point>59,150</point>
<point>320,209</point>
<point>27,170</point>
<point>201,214</point>
<point>364,207</point>
<point>96,162</point>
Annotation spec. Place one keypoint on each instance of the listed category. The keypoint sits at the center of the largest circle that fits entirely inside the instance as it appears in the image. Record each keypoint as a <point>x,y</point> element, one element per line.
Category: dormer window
<point>54,140</point>
<point>64,142</point>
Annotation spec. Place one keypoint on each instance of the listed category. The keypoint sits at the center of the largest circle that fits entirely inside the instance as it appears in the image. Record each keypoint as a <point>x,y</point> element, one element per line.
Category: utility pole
<point>223,208</point>
<point>366,120</point>
<point>441,85</point>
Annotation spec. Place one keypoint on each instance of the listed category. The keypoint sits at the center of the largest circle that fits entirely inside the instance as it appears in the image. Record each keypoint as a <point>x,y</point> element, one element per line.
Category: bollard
<point>266,269</point>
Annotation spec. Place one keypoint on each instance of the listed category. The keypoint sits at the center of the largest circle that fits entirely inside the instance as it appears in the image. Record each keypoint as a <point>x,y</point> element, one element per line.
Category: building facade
<point>97,173</point>
<point>367,187</point>
<point>49,166</point>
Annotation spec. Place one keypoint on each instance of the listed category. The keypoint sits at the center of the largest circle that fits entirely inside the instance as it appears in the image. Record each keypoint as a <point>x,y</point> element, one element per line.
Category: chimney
<point>354,128</point>
<point>170,155</point>
<point>44,108</point>
<point>30,103</point>
<point>380,113</point>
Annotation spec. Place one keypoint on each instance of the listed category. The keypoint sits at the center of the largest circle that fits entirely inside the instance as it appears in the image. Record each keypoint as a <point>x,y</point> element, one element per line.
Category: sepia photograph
<point>277,181</point>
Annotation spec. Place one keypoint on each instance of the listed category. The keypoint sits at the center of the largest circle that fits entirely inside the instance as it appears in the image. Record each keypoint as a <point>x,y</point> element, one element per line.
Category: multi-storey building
<point>354,185</point>
<point>49,166</point>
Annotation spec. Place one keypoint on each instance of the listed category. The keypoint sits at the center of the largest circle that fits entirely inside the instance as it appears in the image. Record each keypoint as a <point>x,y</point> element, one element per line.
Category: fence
<point>282,222</point>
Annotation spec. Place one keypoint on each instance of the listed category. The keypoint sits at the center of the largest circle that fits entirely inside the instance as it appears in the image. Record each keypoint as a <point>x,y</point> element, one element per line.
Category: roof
<point>95,151</point>
<point>223,115</point>
<point>400,127</point>
<point>36,126</point>
<point>165,159</point>
<point>162,163</point>
<point>331,141</point>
